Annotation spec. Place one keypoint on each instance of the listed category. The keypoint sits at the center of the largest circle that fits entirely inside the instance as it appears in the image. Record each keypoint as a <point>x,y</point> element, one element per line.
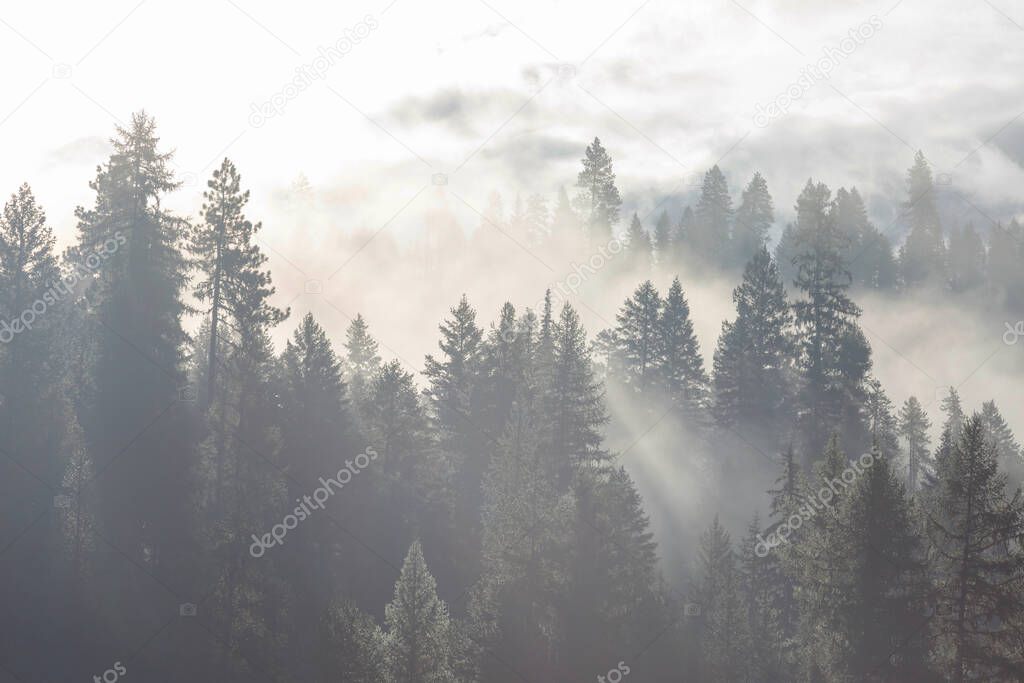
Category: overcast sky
<point>505,95</point>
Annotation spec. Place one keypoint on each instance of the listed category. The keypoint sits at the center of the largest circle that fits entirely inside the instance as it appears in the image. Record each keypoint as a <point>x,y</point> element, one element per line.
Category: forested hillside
<point>183,499</point>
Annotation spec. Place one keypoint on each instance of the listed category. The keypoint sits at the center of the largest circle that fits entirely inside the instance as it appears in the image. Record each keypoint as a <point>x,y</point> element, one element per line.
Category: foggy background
<point>503,97</point>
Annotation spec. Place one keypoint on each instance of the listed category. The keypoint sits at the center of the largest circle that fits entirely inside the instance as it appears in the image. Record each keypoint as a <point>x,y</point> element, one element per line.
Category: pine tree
<point>881,591</point>
<point>636,340</point>
<point>454,397</point>
<point>397,426</point>
<point>754,218</point>
<point>222,251</point>
<point>762,596</point>
<point>682,234</point>
<point>612,586</point>
<point>680,367</point>
<point>639,249</point>
<point>954,412</point>
<point>243,453</point>
<point>1008,451</point>
<point>867,252</point>
<point>754,354</point>
<point>923,255</point>
<point>882,422</point>
<point>452,378</point>
<point>913,427</point>
<point>353,648</point>
<point>786,499</point>
<point>34,407</point>
<point>140,435</point>
<point>810,558</point>
<point>574,401</point>
<point>834,357</point>
<point>725,638</point>
<point>525,536</point>
<point>971,526</point>
<point>362,363</point>
<point>598,200</point>
<point>710,239</point>
<point>419,647</point>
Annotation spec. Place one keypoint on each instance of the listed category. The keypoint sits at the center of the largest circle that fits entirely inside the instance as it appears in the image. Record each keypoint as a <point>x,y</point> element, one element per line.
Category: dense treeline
<point>207,507</point>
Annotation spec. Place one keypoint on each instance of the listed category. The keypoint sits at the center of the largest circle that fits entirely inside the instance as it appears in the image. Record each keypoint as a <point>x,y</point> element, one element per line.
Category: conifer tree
<point>882,423</point>
<point>362,363</point>
<point>954,412</point>
<point>1008,451</point>
<point>882,589</point>
<point>454,397</point>
<point>725,637</point>
<point>682,235</point>
<point>574,401</point>
<point>452,377</point>
<point>754,218</point>
<point>710,238</point>
<point>834,357</point>
<point>139,432</point>
<point>639,249</point>
<point>754,353</point>
<point>419,645</point>
<point>923,255</point>
<point>913,427</point>
<point>598,200</point>
<point>680,367</point>
<point>34,407</point>
<point>315,438</point>
<point>525,538</point>
<point>971,525</point>
<point>867,252</point>
<point>353,648</point>
<point>763,584</point>
<point>636,340</point>
<point>222,250</point>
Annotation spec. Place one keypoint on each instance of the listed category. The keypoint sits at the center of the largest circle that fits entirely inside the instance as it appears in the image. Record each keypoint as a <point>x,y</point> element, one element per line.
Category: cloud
<point>82,150</point>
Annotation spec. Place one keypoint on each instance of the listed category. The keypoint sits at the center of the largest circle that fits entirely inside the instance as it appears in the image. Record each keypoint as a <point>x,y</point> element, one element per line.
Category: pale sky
<point>501,94</point>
